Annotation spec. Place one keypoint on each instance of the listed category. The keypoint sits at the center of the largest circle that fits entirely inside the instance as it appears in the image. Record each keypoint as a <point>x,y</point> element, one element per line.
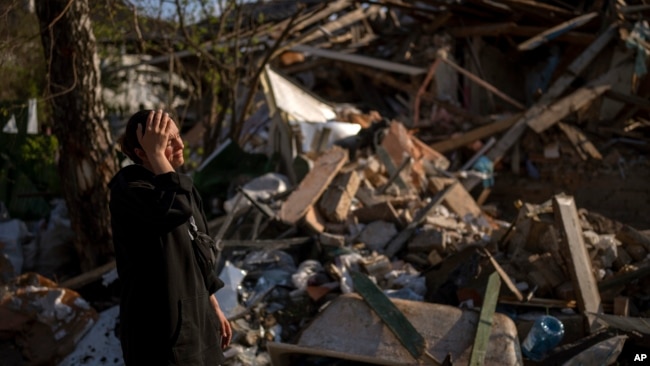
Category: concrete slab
<point>348,326</point>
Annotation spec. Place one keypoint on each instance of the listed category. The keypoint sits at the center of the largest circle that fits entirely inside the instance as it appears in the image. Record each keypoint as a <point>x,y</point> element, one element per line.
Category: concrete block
<point>348,326</point>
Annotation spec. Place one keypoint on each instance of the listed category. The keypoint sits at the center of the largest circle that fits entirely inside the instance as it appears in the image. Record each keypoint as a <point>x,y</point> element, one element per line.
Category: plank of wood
<point>504,275</point>
<point>478,133</point>
<point>575,38</point>
<point>458,200</point>
<point>313,185</point>
<point>555,31</point>
<point>558,87</point>
<point>87,277</point>
<point>513,29</point>
<point>539,302</point>
<point>580,142</point>
<point>334,25</point>
<point>538,7</point>
<point>486,317</point>
<point>577,258</point>
<point>572,103</point>
<point>631,9</point>
<point>331,8</point>
<point>362,60</point>
<point>390,314</point>
<point>580,63</point>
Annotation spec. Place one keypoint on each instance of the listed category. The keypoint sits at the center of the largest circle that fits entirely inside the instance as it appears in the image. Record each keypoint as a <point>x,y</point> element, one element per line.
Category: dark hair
<point>129,140</point>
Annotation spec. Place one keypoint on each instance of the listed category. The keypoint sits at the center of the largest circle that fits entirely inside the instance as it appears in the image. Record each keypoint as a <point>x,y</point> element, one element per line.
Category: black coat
<point>165,312</point>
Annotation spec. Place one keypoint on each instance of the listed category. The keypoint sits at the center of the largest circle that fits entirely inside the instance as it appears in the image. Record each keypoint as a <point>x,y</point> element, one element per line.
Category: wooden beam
<point>557,88</point>
<point>580,142</point>
<point>332,26</point>
<point>504,275</point>
<point>362,60</point>
<point>631,9</point>
<point>537,7</point>
<point>486,319</point>
<point>562,108</point>
<point>475,134</point>
<point>575,38</point>
<point>578,65</point>
<point>513,29</point>
<point>554,32</point>
<point>86,278</point>
<point>307,20</point>
<point>313,185</point>
<point>577,258</point>
<point>458,200</point>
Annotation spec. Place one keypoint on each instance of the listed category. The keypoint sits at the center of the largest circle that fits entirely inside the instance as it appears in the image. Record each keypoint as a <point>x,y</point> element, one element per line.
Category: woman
<point>169,314</point>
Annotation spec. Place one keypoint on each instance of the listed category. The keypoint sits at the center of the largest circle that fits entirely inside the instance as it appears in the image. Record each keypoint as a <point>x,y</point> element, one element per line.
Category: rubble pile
<point>395,123</point>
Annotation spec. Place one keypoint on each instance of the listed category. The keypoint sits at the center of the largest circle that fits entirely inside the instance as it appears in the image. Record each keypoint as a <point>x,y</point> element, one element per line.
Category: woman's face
<point>174,150</point>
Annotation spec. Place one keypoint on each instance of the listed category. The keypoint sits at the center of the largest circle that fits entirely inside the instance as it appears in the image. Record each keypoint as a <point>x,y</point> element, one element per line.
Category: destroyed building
<point>421,181</point>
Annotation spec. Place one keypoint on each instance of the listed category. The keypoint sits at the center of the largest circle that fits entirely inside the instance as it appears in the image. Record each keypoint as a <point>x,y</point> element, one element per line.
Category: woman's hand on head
<point>154,138</point>
<point>154,141</point>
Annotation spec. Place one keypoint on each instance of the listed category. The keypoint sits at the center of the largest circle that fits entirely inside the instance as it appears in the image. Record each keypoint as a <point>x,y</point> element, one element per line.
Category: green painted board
<point>486,318</point>
<point>410,338</point>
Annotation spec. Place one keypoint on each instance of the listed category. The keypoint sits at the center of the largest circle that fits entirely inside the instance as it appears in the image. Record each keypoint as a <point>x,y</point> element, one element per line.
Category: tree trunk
<point>87,154</point>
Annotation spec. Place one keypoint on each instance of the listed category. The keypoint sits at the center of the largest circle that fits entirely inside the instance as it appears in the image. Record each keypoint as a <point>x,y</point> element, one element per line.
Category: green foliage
<point>38,160</point>
<point>29,174</point>
<point>28,167</point>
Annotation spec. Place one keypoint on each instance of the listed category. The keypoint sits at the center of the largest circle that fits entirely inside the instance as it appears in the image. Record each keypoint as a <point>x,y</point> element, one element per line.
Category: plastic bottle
<point>546,334</point>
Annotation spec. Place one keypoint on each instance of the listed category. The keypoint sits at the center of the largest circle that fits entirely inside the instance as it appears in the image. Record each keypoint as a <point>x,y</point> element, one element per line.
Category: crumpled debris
<point>47,321</point>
